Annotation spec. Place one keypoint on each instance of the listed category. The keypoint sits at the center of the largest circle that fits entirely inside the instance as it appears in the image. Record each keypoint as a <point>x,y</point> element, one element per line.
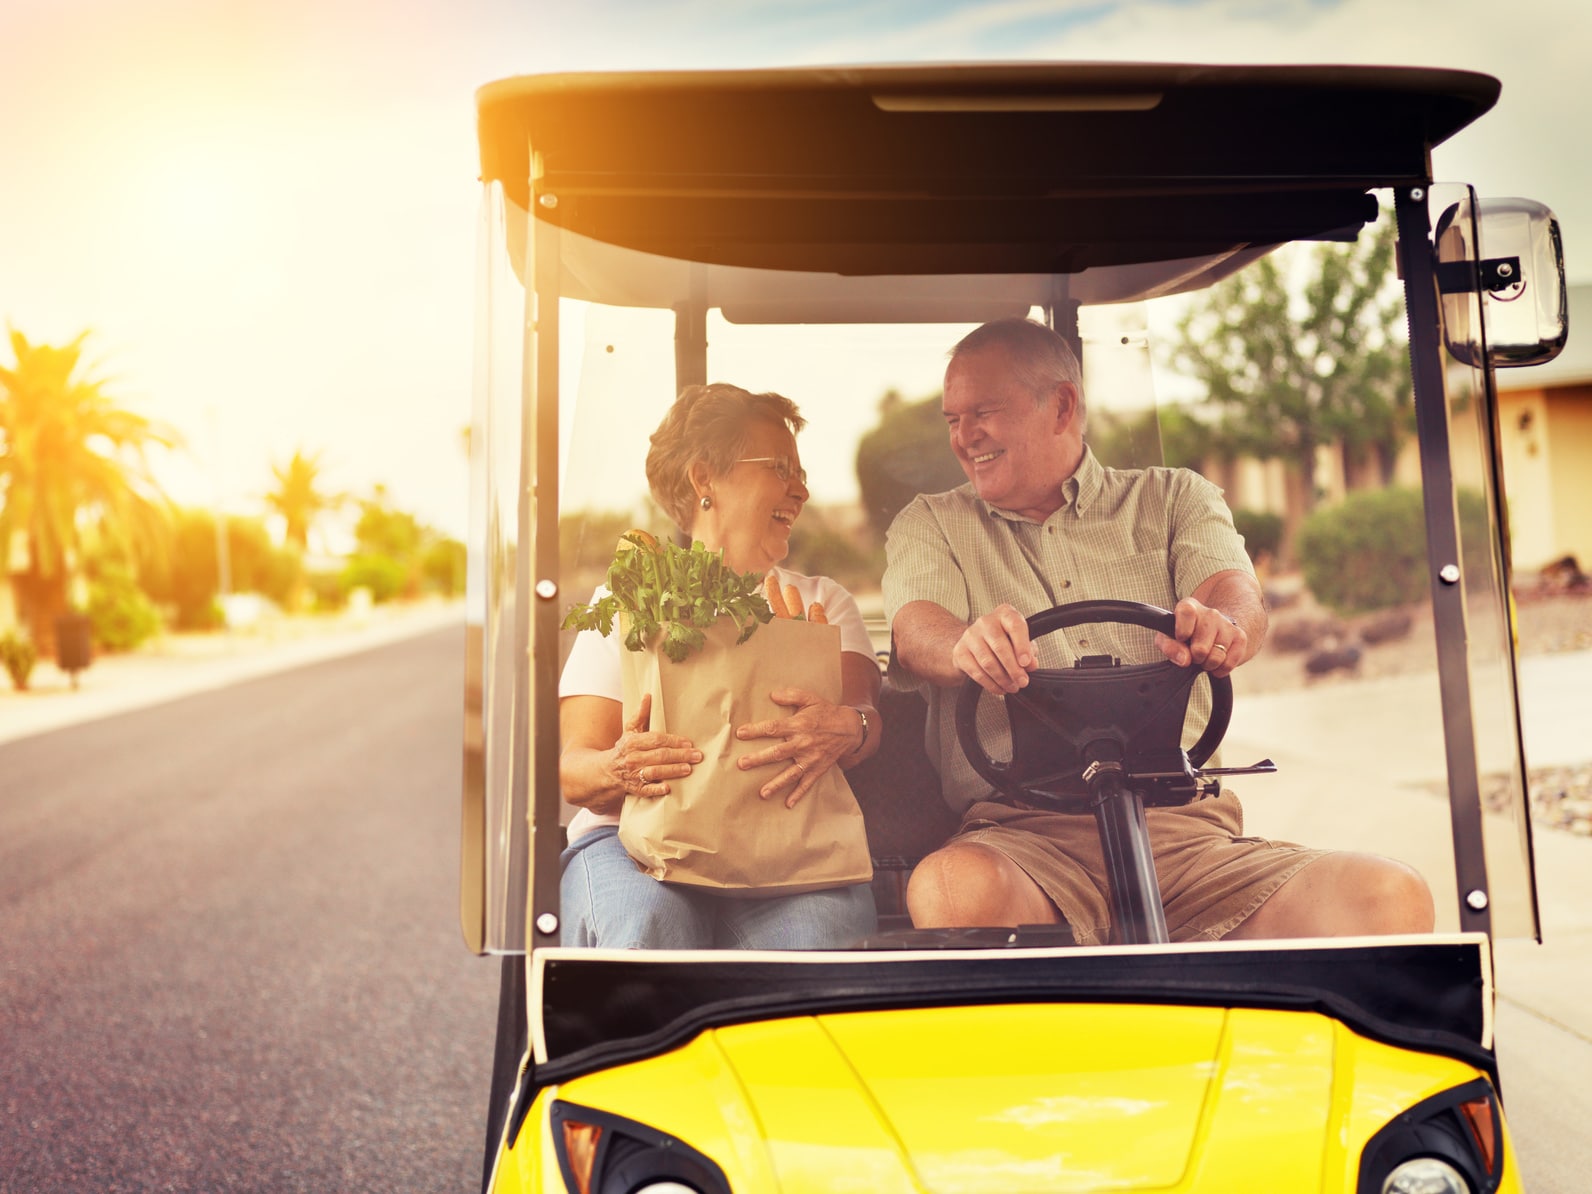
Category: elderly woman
<point>723,464</point>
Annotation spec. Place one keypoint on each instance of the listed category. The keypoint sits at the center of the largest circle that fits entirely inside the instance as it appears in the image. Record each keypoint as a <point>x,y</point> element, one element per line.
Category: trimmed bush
<point>443,567</point>
<point>1262,532</point>
<point>1367,553</point>
<point>328,590</point>
<point>18,654</point>
<point>121,615</point>
<point>386,578</point>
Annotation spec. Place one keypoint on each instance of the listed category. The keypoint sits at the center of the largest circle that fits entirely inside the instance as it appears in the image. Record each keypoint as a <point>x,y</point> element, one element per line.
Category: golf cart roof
<point>923,169</point>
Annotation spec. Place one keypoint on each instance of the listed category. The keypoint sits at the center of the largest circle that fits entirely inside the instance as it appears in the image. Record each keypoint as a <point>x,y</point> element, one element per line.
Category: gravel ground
<point>1561,797</point>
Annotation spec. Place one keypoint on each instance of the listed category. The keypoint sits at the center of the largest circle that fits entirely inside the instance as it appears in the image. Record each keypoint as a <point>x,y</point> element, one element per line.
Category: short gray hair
<point>1040,357</point>
<point>707,424</point>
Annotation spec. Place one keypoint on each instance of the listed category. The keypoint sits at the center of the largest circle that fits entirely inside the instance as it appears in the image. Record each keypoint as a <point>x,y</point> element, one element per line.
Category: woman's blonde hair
<point>707,424</point>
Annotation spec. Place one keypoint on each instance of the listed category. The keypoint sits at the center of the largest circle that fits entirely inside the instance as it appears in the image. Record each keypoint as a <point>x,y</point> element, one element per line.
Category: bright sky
<point>265,209</point>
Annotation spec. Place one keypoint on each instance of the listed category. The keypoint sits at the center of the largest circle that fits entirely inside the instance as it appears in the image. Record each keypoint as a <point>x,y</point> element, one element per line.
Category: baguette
<point>776,600</point>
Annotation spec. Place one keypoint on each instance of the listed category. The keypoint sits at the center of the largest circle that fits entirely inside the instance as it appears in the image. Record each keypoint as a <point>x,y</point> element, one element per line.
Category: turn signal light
<point>580,1147</point>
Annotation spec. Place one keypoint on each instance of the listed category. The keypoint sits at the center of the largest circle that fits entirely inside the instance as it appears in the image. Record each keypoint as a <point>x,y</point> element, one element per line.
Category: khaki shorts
<point>1211,878</point>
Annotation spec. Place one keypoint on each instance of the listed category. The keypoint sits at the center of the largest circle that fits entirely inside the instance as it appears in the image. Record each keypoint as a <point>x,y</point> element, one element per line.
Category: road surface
<point>229,946</point>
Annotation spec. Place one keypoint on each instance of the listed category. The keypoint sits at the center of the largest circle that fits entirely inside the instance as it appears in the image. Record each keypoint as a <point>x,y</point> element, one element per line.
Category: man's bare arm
<point>1220,625</point>
<point>935,645</point>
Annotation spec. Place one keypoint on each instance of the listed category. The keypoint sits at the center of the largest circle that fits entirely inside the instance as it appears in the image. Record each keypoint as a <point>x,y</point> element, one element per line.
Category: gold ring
<point>799,767</point>
<point>1222,647</point>
<point>642,776</point>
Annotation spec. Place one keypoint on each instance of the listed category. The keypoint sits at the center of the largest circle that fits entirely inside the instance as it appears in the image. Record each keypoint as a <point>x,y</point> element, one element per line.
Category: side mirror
<point>1511,253</point>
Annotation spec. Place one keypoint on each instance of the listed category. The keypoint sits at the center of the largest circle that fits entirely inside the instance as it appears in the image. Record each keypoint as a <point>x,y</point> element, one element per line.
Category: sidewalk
<point>178,665</point>
<point>1365,799</point>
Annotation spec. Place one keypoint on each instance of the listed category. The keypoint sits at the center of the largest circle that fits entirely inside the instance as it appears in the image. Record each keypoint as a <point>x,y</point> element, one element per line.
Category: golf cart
<point>829,234</point>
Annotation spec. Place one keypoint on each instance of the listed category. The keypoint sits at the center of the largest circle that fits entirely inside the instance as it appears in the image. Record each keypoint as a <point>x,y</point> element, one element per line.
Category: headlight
<point>1451,1143</point>
<point>599,1153</point>
<point>1426,1175</point>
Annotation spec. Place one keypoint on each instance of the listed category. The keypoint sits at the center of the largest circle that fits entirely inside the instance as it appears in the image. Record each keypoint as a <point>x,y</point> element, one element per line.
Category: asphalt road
<point>229,948</point>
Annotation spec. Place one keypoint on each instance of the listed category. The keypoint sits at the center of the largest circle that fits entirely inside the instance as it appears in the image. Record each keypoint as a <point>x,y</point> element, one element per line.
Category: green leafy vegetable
<point>679,591</point>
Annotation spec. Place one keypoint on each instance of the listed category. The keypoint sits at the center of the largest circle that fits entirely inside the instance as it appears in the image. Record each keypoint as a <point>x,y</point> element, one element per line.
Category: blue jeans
<point>608,903</point>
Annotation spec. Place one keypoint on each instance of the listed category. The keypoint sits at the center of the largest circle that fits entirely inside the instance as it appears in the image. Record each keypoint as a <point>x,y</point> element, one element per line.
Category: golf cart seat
<point>898,790</point>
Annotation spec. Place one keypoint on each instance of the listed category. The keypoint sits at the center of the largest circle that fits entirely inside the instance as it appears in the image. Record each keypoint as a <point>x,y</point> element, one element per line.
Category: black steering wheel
<point>1069,723</point>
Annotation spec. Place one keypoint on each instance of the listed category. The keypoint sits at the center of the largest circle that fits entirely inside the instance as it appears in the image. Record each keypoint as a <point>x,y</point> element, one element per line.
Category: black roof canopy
<point>969,169</point>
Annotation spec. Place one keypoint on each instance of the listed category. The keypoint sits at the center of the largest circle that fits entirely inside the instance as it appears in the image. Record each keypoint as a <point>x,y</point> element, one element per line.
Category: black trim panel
<point>599,1010</point>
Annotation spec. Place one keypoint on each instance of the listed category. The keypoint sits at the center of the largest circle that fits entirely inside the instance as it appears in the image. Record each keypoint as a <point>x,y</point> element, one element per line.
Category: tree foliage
<point>186,581</point>
<point>397,555</point>
<point>908,453</point>
<point>1292,367</point>
<point>1168,435</point>
<point>299,498</point>
<point>72,462</point>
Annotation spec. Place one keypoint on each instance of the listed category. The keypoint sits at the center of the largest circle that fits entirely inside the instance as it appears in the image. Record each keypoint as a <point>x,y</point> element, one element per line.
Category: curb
<point>179,666</point>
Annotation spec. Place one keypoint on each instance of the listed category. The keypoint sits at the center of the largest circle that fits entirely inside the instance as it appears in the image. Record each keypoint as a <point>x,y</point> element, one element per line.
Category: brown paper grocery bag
<point>713,830</point>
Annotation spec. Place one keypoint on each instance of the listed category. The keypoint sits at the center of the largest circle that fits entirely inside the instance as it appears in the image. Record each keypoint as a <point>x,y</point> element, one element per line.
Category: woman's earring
<point>707,502</point>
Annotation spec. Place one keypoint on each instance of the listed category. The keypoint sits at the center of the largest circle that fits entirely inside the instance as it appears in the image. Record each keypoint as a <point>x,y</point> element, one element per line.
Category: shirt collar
<point>1078,492</point>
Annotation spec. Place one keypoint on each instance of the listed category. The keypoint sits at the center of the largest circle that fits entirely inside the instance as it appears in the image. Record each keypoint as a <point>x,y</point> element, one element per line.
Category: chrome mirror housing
<point>1511,251</point>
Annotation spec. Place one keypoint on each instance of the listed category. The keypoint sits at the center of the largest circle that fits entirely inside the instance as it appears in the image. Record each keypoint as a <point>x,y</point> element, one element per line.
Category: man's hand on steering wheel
<point>995,651</point>
<point>1206,637</point>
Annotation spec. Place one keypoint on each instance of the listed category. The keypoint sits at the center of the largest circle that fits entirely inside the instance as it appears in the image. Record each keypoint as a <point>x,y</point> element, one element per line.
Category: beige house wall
<point>1528,461</point>
<point>1569,443</point>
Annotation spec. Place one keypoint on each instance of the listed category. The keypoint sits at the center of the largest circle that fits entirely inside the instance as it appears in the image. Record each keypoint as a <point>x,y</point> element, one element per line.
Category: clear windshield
<point>1320,475</point>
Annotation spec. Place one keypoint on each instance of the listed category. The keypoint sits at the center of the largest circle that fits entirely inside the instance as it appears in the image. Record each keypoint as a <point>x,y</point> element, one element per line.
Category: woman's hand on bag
<point>642,763</point>
<point>811,740</point>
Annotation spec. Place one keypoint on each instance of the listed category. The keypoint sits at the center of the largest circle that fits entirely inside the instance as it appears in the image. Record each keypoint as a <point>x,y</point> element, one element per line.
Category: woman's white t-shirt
<point>593,667</point>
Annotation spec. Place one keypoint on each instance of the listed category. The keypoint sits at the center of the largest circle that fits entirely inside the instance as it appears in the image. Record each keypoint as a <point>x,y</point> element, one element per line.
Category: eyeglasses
<point>780,466</point>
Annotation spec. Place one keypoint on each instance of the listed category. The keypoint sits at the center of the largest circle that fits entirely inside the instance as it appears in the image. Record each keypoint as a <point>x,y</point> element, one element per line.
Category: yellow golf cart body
<point>830,234</point>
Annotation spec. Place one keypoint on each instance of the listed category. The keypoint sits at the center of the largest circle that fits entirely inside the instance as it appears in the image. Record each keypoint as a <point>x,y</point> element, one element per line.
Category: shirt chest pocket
<point>1144,577</point>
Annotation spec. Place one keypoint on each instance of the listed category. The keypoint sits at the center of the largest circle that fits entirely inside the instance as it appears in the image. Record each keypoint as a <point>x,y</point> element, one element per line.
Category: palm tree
<point>72,464</point>
<point>298,497</point>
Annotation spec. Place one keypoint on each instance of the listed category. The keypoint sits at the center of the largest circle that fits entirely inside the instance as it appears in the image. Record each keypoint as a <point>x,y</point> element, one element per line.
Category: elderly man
<point>1041,523</point>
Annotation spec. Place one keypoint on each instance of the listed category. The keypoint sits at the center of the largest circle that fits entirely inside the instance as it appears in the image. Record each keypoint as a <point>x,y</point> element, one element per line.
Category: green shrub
<point>1366,553</point>
<point>121,615</point>
<point>385,578</point>
<point>1262,532</point>
<point>18,654</point>
<point>206,616</point>
<point>188,578</point>
<point>819,548</point>
<point>443,567</point>
<point>328,591</point>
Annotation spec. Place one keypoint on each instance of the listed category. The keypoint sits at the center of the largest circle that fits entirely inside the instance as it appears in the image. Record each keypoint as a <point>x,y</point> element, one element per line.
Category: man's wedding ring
<point>1222,647</point>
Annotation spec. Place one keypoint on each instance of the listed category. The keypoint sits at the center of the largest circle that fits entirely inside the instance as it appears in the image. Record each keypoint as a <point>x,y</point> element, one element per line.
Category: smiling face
<point>752,509</point>
<point>1017,452</point>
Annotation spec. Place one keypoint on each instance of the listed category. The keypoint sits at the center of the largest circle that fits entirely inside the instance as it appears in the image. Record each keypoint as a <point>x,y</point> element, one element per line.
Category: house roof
<point>1573,365</point>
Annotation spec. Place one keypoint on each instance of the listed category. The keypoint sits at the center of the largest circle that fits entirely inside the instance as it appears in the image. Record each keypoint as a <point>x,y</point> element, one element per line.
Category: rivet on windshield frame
<point>1477,900</point>
<point>546,590</point>
<point>1449,574</point>
<point>548,201</point>
<point>547,924</point>
<point>1417,194</point>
